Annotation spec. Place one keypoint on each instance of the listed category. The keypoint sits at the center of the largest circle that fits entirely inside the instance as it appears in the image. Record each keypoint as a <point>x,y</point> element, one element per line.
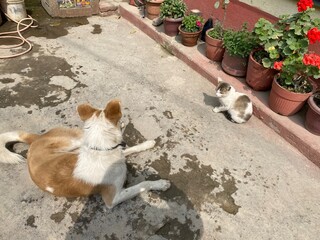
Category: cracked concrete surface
<point>229,181</point>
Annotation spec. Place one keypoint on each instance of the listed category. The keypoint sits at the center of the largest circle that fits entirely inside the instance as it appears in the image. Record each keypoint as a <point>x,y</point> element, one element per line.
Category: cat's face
<point>223,89</point>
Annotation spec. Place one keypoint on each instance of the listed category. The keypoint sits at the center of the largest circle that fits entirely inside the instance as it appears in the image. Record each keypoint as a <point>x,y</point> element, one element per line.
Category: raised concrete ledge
<point>290,128</point>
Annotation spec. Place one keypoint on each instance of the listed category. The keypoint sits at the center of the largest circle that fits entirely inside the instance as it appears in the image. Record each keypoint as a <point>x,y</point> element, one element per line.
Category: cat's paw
<point>216,109</point>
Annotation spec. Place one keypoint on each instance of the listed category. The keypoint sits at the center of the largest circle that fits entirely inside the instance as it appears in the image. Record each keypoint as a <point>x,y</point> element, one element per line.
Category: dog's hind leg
<point>140,147</point>
<point>130,192</point>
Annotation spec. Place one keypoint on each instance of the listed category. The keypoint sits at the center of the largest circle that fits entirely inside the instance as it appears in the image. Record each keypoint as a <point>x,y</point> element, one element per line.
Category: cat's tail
<point>6,156</point>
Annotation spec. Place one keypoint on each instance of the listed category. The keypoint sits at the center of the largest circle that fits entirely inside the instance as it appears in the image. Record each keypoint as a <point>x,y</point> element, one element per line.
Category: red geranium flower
<point>198,23</point>
<point>303,5</point>
<point>311,59</point>
<point>313,35</point>
<point>277,65</point>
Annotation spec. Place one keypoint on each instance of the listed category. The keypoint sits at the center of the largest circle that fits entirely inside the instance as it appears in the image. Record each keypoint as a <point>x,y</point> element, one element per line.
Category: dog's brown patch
<point>113,111</point>
<point>28,137</point>
<point>85,111</point>
<point>50,166</point>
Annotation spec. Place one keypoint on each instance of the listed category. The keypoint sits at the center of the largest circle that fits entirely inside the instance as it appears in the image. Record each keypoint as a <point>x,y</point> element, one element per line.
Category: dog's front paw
<point>161,185</point>
<point>216,109</point>
<point>149,144</point>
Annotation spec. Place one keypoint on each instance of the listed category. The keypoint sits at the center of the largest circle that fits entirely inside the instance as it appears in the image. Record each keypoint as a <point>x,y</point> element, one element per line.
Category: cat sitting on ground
<point>238,105</point>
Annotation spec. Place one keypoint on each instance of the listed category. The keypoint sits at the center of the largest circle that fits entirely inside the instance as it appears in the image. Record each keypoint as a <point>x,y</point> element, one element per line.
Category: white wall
<point>277,7</point>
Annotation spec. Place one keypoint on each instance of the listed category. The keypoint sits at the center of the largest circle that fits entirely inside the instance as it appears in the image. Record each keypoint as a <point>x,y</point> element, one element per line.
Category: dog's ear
<point>113,111</point>
<point>85,111</point>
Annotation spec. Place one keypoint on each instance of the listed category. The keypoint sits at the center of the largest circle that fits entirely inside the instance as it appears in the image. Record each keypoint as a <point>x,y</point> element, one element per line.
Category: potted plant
<point>190,29</point>
<point>292,86</point>
<point>214,43</point>
<point>153,8</point>
<point>312,121</point>
<point>214,36</point>
<point>238,45</point>
<point>172,13</point>
<point>260,71</point>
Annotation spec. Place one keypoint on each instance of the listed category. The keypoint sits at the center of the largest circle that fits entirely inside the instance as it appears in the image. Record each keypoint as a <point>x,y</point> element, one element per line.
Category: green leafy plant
<point>192,23</point>
<point>259,55</point>
<point>173,9</point>
<point>239,43</point>
<point>217,31</point>
<point>286,42</point>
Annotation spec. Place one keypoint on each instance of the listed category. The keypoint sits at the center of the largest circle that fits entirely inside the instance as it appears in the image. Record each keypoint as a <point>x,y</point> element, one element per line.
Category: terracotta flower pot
<point>189,39</point>
<point>171,26</point>
<point>312,121</point>
<point>214,48</point>
<point>234,65</point>
<point>153,8</point>
<point>285,102</point>
<point>258,77</point>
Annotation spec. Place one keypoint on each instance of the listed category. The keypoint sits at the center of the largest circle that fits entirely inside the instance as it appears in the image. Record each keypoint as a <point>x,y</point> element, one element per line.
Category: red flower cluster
<point>277,65</point>
<point>311,59</point>
<point>313,35</point>
<point>198,23</point>
<point>303,5</point>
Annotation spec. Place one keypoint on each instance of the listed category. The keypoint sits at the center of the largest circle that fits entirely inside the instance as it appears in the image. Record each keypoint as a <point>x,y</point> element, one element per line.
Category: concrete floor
<point>229,181</point>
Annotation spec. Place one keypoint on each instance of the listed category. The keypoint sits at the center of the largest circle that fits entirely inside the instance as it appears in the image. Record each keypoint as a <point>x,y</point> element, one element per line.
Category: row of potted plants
<point>280,59</point>
<point>273,56</point>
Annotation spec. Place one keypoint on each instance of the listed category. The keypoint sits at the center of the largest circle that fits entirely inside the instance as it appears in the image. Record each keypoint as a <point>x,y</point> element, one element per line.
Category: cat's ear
<point>220,80</point>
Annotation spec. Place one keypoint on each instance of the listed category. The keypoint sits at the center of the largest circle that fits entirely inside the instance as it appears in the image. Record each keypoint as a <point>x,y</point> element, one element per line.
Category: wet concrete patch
<point>33,84</point>
<point>131,135</point>
<point>31,221</point>
<point>224,198</point>
<point>49,27</point>
<point>93,206</point>
<point>96,29</point>
<point>195,182</point>
<point>168,114</point>
<point>6,80</point>
<point>57,217</point>
<point>198,182</point>
<point>174,228</point>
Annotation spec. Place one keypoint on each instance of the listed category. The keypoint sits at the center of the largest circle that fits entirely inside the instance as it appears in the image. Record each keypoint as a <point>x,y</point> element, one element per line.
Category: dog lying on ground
<point>72,162</point>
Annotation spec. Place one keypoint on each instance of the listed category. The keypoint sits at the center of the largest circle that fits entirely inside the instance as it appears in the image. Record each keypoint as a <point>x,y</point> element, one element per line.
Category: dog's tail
<point>6,156</point>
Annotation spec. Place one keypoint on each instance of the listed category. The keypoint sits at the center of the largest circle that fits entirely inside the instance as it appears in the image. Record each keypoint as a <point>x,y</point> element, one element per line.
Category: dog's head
<point>112,112</point>
<point>102,124</point>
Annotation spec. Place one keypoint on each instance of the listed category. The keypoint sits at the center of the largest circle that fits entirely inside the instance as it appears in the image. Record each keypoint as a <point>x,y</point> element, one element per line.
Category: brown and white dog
<point>73,162</point>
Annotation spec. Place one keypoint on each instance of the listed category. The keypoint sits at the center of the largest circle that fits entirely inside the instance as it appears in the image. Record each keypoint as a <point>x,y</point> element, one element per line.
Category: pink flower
<point>198,23</point>
<point>277,65</point>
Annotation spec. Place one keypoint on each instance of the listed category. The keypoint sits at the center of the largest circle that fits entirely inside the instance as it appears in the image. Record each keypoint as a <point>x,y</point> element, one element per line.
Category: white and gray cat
<point>238,105</point>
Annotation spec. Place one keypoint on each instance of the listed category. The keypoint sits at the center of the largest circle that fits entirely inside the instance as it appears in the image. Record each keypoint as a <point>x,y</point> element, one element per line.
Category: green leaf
<point>288,81</point>
<point>266,62</point>
<point>287,51</point>
<point>304,43</point>
<point>217,4</point>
